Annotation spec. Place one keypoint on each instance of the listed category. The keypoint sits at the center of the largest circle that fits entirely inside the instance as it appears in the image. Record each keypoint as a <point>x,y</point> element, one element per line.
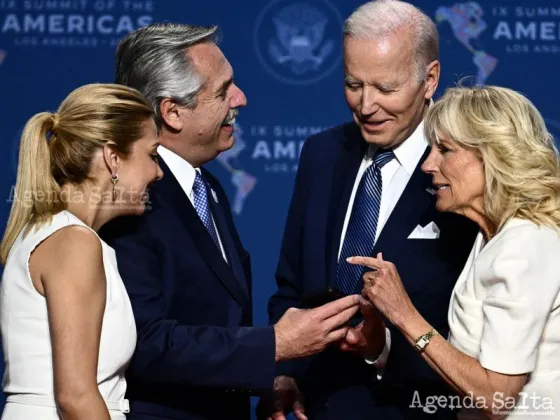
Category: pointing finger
<point>366,261</point>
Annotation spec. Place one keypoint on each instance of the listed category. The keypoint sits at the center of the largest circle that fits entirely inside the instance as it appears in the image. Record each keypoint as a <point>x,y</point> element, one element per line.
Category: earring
<point>114,180</point>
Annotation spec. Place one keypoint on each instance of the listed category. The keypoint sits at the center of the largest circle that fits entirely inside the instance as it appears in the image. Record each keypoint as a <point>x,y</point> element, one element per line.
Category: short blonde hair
<point>520,158</point>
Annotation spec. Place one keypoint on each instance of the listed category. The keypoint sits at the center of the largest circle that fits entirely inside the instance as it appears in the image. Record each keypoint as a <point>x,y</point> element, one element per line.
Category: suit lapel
<point>352,150</point>
<point>174,195</point>
<point>406,215</point>
<point>227,241</point>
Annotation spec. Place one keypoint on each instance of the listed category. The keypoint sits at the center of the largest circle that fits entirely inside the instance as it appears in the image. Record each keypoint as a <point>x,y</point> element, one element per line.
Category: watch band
<point>422,341</point>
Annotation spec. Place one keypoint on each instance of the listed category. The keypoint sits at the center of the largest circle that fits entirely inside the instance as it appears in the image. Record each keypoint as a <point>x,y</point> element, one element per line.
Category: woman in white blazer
<point>492,160</point>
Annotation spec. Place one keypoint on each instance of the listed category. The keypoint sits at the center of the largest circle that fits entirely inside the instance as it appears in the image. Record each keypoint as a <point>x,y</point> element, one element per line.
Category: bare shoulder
<point>73,241</point>
<point>70,250</point>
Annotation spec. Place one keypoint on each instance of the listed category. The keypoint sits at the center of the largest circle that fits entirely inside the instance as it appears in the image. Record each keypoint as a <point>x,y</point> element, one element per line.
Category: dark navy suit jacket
<point>339,385</point>
<point>197,355</point>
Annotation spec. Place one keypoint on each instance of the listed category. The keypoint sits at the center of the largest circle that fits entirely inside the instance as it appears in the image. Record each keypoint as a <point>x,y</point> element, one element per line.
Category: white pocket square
<point>430,231</point>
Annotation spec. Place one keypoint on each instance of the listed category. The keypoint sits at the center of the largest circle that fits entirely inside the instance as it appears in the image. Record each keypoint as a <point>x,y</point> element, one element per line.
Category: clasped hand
<point>367,339</point>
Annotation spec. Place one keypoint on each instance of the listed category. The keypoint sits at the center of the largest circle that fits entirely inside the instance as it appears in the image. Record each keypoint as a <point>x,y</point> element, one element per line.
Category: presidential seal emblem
<point>299,43</point>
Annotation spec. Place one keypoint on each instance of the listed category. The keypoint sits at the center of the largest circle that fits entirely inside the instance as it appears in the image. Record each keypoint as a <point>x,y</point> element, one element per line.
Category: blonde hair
<point>58,148</point>
<point>520,158</point>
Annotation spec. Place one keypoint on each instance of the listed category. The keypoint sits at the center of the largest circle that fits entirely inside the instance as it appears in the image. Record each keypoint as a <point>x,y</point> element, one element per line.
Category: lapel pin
<point>214,195</point>
<point>431,190</point>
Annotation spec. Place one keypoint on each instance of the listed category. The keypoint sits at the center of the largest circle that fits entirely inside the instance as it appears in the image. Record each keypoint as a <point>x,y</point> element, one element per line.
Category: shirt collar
<point>409,152</point>
<point>182,170</point>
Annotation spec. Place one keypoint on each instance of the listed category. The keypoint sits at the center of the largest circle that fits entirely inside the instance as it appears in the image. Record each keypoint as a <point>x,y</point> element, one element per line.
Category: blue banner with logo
<point>287,58</point>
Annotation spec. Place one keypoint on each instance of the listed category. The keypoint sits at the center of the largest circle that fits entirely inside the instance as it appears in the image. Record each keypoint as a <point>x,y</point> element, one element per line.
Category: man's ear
<point>112,160</point>
<point>171,114</point>
<point>432,79</point>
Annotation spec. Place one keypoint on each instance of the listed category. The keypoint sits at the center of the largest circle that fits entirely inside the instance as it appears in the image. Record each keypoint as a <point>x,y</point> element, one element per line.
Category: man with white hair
<point>360,191</point>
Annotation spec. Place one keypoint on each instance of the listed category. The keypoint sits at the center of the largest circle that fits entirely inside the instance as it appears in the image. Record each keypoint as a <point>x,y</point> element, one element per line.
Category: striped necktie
<point>362,226</point>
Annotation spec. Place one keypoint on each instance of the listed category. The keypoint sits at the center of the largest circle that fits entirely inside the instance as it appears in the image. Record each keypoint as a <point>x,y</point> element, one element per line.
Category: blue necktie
<point>362,226</point>
<point>200,193</point>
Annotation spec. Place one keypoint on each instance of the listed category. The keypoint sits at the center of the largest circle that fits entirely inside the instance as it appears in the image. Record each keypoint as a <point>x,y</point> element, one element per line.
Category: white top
<point>395,176</point>
<point>26,338</point>
<point>185,173</point>
<point>505,312</point>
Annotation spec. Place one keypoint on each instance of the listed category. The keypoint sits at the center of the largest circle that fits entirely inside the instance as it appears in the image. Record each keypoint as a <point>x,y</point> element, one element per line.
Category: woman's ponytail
<point>37,195</point>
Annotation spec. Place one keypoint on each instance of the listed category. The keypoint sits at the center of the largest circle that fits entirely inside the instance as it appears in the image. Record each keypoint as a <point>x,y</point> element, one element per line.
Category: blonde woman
<point>493,161</point>
<point>67,325</point>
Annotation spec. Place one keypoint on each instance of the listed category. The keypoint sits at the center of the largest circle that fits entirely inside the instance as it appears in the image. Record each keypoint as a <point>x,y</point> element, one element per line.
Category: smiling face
<point>382,89</point>
<point>457,175</point>
<point>208,127</point>
<point>138,170</point>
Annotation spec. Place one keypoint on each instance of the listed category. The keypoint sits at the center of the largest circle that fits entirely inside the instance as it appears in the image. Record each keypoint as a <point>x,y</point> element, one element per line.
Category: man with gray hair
<point>360,191</point>
<point>183,264</point>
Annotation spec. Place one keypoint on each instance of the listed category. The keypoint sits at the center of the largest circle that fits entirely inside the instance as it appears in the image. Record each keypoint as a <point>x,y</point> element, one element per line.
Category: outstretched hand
<point>304,332</point>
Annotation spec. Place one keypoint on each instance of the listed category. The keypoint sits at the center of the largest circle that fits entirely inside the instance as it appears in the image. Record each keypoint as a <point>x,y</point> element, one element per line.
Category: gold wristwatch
<point>424,340</point>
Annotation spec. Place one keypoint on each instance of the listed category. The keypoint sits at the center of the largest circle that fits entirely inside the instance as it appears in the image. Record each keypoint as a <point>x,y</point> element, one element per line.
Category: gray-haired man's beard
<point>232,115</point>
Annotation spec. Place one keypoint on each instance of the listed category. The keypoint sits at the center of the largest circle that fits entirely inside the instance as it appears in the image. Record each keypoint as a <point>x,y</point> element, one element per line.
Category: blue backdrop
<point>286,55</point>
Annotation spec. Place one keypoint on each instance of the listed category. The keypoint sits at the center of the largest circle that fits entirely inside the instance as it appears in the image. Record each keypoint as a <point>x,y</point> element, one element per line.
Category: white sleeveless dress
<point>28,374</point>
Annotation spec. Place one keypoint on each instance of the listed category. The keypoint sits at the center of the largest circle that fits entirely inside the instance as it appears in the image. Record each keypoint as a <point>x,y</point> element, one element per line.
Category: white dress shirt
<point>185,173</point>
<point>395,176</point>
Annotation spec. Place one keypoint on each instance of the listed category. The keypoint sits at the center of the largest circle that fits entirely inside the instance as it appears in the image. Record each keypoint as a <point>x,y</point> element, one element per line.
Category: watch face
<point>422,342</point>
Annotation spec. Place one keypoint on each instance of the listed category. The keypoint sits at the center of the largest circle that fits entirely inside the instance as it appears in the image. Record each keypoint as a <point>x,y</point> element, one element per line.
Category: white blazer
<point>505,312</point>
